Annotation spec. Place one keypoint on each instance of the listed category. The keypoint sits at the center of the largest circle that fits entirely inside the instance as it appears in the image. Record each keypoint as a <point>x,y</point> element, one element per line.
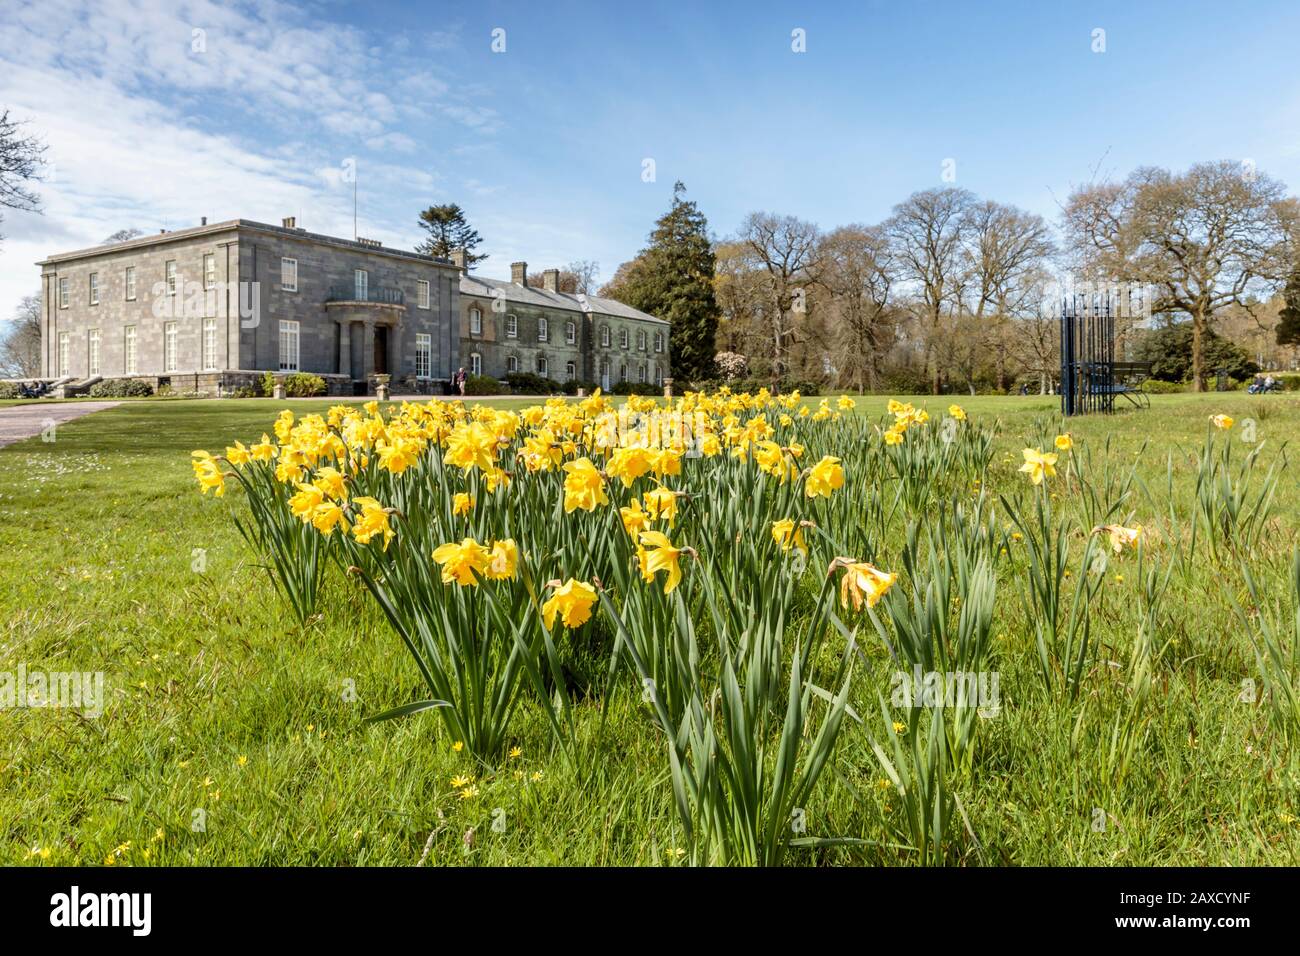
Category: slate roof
<point>540,298</point>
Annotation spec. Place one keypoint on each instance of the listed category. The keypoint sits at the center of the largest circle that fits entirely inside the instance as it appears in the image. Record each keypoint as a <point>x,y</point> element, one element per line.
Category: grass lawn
<point>233,736</point>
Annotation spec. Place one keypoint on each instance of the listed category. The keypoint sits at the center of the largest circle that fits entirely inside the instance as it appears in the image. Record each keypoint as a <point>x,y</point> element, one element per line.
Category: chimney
<point>551,280</point>
<point>519,273</point>
<point>203,221</point>
<point>289,222</point>
<point>458,259</point>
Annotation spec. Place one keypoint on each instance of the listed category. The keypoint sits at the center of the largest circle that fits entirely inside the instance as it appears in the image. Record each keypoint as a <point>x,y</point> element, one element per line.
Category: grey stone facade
<point>207,308</point>
<point>513,326</point>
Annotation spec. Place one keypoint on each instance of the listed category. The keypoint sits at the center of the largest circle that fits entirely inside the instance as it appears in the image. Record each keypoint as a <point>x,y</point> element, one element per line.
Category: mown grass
<point>224,713</point>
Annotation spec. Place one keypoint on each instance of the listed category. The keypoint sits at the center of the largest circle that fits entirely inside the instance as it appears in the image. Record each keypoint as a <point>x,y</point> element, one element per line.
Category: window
<point>622,338</point>
<point>63,353</point>
<point>209,344</point>
<point>543,329</point>
<point>512,363</point>
<point>475,363</point>
<point>423,354</point>
<point>659,375</point>
<point>604,336</point>
<point>361,285</point>
<point>640,373</point>
<point>570,371</point>
<point>94,288</point>
<point>130,283</point>
<point>289,275</point>
<point>422,297</point>
<point>92,352</point>
<point>169,347</point>
<point>541,364</point>
<point>63,293</point>
<point>128,350</point>
<point>475,322</point>
<point>622,372</point>
<point>289,345</point>
<point>640,341</point>
<point>659,341</point>
<point>209,270</point>
<point>169,272</point>
<point>512,326</point>
<point>570,332</point>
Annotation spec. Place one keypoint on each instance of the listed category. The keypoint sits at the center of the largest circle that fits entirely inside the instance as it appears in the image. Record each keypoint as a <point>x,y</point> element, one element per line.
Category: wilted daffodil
<point>460,561</point>
<point>862,581</point>
<point>1121,537</point>
<point>824,477</point>
<point>572,601</point>
<point>1038,465</point>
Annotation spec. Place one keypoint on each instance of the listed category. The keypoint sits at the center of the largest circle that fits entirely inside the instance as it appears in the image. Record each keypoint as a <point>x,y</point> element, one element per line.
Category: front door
<point>381,350</point>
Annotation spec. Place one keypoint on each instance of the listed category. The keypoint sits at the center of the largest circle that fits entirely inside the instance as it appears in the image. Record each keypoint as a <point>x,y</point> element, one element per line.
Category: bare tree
<point>786,249</point>
<point>1215,235</point>
<point>1005,252</point>
<point>20,342</point>
<point>857,273</point>
<point>584,272</point>
<point>21,158</point>
<point>738,288</point>
<point>122,235</point>
<point>926,233</point>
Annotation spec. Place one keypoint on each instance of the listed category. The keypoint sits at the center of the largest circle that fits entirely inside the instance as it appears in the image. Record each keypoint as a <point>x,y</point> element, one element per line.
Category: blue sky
<point>152,125</point>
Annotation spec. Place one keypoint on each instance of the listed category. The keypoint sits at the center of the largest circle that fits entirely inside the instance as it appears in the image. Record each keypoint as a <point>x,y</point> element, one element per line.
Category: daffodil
<point>1038,465</point>
<point>1064,442</point>
<point>658,554</point>
<point>503,560</point>
<point>461,561</point>
<point>372,520</point>
<point>583,486</point>
<point>1122,537</point>
<point>208,473</point>
<point>572,601</point>
<point>661,503</point>
<point>461,503</point>
<point>1221,421</point>
<point>788,535</point>
<point>824,477</point>
<point>635,520</point>
<point>957,412</point>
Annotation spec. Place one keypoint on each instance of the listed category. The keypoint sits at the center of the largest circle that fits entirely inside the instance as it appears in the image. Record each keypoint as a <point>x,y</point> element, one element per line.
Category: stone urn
<point>668,388</point>
<point>277,388</point>
<point>381,387</point>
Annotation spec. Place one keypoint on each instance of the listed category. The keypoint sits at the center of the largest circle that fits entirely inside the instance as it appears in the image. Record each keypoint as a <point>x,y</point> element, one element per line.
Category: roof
<point>247,225</point>
<point>532,295</point>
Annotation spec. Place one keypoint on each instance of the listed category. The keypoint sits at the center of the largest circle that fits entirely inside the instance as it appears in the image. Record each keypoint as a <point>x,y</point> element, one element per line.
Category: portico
<point>369,337</point>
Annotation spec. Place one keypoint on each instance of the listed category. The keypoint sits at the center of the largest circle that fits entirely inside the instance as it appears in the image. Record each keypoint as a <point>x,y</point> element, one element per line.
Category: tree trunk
<point>1198,373</point>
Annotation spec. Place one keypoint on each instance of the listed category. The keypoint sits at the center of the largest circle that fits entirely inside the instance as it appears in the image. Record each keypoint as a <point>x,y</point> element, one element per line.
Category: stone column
<point>345,348</point>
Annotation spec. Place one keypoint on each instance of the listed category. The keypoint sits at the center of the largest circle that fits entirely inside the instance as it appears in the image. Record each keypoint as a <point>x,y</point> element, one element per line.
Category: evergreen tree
<point>672,279</point>
<point>1288,326</point>
<point>448,230</point>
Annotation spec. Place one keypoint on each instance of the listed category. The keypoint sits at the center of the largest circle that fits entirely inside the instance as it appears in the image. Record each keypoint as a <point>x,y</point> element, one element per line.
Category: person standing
<point>460,380</point>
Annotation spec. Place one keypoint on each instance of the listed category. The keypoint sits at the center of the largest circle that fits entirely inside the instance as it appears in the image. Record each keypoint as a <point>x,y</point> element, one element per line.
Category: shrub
<point>530,383</point>
<point>482,385</point>
<point>635,388</point>
<point>121,388</point>
<point>1156,387</point>
<point>571,387</point>
<point>9,390</point>
<point>304,385</point>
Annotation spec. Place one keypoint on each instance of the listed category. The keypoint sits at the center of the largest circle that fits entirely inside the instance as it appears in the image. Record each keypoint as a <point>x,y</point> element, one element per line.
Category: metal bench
<point>1120,378</point>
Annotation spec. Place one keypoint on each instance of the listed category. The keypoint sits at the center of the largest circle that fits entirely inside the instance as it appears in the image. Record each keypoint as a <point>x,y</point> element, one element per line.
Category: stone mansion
<point>212,308</point>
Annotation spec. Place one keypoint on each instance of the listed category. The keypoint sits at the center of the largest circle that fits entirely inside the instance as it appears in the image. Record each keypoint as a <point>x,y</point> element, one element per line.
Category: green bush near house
<point>121,388</point>
<point>304,385</point>
<point>8,390</point>
<point>530,383</point>
<point>482,385</point>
